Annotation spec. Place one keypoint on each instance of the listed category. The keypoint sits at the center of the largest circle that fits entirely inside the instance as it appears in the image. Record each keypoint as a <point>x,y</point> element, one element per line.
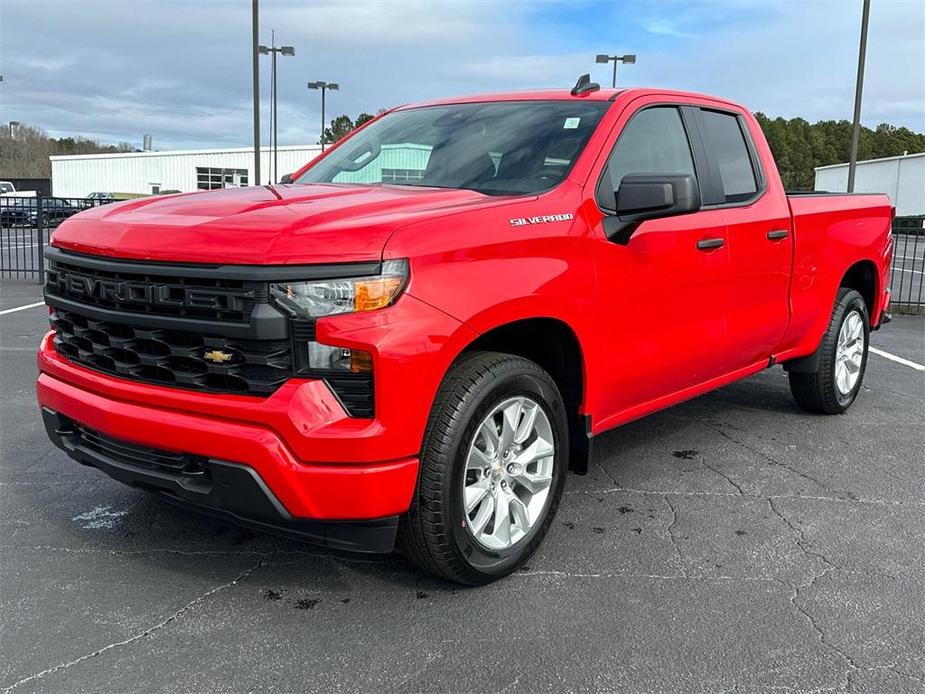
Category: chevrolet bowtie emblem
<point>217,356</point>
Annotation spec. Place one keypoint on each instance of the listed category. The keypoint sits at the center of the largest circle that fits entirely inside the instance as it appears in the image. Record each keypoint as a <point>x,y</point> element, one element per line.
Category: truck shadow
<point>289,570</point>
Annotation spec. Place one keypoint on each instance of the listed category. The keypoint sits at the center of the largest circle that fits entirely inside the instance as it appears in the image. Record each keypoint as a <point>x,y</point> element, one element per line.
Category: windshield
<point>498,148</point>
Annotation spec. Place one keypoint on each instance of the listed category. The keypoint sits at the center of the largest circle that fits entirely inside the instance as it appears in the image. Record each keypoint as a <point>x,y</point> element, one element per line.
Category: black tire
<point>434,533</point>
<point>817,391</point>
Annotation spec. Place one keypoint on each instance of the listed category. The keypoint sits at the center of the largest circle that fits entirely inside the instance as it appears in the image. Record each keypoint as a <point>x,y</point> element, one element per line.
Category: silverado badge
<point>542,219</point>
<point>217,356</point>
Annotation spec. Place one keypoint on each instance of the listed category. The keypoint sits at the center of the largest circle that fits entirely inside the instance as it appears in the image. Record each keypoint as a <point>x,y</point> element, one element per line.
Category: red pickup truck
<point>417,337</point>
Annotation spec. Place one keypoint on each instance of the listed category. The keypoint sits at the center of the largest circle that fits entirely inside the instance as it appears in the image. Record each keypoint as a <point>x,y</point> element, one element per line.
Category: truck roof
<point>521,95</point>
<point>559,94</point>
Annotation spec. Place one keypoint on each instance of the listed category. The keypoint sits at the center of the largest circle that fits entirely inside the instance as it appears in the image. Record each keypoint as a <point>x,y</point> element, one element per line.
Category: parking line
<point>898,360</point>
<point>21,308</point>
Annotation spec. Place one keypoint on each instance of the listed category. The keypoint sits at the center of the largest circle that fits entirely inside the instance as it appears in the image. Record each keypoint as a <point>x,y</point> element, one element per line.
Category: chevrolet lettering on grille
<point>148,293</point>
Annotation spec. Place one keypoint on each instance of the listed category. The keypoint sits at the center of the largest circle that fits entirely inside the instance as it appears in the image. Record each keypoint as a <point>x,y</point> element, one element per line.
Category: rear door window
<point>725,142</point>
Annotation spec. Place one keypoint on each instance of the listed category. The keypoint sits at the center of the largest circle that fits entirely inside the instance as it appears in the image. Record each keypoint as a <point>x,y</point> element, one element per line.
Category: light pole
<point>273,51</point>
<point>255,68</point>
<point>627,59</point>
<point>323,86</point>
<point>856,126</point>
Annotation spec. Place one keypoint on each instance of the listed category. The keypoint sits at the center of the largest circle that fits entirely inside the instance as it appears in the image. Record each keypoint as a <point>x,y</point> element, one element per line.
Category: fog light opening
<point>328,358</point>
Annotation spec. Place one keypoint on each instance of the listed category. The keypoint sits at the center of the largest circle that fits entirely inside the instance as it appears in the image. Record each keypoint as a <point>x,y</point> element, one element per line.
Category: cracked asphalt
<point>732,543</point>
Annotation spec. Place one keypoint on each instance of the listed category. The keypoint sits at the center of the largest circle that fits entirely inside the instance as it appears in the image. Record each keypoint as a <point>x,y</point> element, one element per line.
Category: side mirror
<point>286,178</point>
<point>650,196</point>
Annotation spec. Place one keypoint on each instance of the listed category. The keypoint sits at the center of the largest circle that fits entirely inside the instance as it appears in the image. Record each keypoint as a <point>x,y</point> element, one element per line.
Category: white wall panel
<point>902,178</point>
<point>77,176</point>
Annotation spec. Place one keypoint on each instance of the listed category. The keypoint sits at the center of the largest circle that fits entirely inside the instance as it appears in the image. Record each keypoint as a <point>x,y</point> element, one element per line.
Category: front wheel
<point>492,470</point>
<point>842,359</point>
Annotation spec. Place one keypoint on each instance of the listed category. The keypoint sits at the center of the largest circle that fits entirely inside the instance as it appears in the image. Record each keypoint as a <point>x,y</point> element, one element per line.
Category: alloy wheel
<point>508,474</point>
<point>849,353</point>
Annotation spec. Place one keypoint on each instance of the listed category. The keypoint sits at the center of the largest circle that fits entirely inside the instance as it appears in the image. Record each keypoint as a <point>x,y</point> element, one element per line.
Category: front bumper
<point>241,430</point>
<point>215,487</point>
<point>319,463</point>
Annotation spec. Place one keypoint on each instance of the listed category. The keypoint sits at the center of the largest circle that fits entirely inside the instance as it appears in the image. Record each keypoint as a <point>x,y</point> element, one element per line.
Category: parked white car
<point>7,189</point>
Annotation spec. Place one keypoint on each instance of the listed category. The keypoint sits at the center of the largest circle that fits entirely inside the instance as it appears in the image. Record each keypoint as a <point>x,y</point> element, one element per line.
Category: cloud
<point>182,71</point>
<point>801,60</point>
<point>664,27</point>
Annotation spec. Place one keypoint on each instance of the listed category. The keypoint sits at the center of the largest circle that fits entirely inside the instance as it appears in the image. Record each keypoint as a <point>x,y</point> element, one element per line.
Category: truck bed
<point>832,232</point>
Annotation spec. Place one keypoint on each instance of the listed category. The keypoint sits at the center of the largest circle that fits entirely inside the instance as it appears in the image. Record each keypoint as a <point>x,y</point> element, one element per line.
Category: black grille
<point>155,295</point>
<point>173,357</point>
<point>180,464</point>
<point>174,325</point>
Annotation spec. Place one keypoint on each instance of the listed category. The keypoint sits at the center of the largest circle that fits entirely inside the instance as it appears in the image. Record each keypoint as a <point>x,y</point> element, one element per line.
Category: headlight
<point>329,297</point>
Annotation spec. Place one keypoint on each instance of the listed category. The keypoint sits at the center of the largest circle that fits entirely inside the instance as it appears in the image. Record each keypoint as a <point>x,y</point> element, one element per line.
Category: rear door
<point>759,234</point>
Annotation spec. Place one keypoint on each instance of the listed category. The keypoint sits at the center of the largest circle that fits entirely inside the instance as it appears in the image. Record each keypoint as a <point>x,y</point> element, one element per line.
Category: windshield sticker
<point>543,219</point>
<point>571,123</point>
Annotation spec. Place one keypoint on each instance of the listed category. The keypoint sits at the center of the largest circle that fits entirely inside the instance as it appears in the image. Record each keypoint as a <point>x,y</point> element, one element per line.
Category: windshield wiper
<point>429,185</point>
<point>483,191</point>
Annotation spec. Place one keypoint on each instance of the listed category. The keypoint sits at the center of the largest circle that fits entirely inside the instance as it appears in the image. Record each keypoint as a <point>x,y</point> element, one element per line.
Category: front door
<point>664,294</point>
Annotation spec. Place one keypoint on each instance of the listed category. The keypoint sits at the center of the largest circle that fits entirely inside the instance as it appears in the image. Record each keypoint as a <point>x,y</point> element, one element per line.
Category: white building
<point>147,173</point>
<point>185,170</point>
<point>902,178</point>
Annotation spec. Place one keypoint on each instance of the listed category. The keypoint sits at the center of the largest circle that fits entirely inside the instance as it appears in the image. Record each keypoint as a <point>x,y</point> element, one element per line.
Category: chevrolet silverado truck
<point>415,339</point>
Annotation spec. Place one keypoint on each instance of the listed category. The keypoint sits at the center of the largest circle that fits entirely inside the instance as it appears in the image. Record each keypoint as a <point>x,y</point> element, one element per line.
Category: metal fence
<point>908,279</point>
<point>26,223</point>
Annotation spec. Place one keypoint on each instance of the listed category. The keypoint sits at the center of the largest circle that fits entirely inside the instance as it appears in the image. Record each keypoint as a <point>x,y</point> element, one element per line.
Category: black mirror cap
<point>286,178</point>
<point>651,196</point>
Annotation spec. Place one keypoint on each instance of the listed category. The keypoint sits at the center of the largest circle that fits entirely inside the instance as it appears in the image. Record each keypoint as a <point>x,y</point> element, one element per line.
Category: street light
<point>859,86</point>
<point>273,50</point>
<point>627,59</point>
<point>255,75</point>
<point>323,86</point>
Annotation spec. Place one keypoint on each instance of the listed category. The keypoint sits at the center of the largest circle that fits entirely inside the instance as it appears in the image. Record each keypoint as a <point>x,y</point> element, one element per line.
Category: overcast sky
<point>180,69</point>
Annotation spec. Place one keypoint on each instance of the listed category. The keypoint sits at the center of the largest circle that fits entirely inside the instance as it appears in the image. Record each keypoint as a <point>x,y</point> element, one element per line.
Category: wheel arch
<point>554,345</point>
<point>863,278</point>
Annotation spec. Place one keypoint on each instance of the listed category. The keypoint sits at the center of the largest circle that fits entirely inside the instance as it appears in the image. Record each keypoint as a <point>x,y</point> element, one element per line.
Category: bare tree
<point>24,150</point>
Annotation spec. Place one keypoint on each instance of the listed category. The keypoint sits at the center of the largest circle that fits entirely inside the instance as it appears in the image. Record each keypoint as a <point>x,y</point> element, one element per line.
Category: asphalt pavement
<point>729,543</point>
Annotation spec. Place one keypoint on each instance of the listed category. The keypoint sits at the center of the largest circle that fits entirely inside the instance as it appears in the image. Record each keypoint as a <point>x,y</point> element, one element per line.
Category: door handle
<point>777,234</point>
<point>709,244</point>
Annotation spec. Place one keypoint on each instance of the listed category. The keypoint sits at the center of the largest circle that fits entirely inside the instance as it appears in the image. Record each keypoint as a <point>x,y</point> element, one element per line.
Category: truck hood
<point>266,225</point>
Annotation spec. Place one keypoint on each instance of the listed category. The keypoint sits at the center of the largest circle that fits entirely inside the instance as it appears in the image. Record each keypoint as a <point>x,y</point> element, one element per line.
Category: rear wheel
<point>842,359</point>
<point>492,469</point>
